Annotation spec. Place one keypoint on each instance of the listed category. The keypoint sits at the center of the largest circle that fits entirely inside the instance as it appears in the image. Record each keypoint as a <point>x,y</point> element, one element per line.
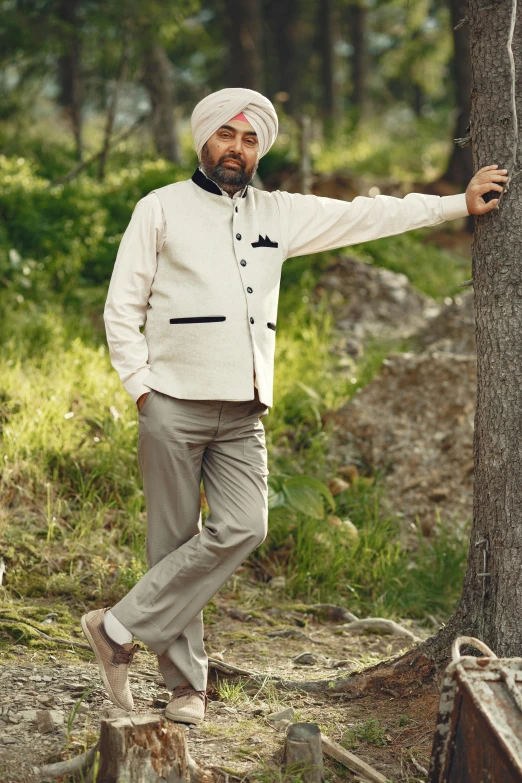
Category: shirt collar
<point>200,178</point>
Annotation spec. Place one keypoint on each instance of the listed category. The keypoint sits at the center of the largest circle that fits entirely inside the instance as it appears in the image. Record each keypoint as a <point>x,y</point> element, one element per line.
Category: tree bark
<point>245,33</point>
<point>490,606</point>
<point>460,166</point>
<point>157,79</point>
<point>69,69</point>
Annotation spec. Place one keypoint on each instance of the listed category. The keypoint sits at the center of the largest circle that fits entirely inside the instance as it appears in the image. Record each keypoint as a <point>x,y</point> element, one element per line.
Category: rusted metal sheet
<point>479,728</point>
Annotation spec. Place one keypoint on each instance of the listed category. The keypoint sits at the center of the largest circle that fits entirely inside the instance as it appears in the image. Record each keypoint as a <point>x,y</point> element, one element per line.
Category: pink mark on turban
<point>241,117</point>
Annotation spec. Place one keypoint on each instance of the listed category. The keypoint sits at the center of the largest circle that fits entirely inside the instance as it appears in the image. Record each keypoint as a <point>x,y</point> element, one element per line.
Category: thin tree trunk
<point>327,36</point>
<point>69,69</point>
<point>357,22</point>
<point>157,78</point>
<point>245,34</point>
<point>490,606</point>
<point>113,107</point>
<point>460,166</point>
<point>285,29</point>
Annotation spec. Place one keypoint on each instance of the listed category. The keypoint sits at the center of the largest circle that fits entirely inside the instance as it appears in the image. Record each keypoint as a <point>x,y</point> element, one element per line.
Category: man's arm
<point>311,224</point>
<point>128,295</point>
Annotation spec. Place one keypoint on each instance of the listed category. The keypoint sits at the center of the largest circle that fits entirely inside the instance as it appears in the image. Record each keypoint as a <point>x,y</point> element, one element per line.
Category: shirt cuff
<point>454,206</point>
<point>136,384</point>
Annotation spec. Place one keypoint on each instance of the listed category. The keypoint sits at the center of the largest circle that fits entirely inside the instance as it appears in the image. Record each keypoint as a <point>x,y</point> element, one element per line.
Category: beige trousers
<point>180,442</point>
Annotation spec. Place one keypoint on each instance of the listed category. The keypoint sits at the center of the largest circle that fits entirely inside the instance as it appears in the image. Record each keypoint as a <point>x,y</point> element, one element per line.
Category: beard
<point>223,176</point>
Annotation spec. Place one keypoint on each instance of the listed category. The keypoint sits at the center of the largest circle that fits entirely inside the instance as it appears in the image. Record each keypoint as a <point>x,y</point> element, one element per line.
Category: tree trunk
<point>69,69</point>
<point>285,29</point>
<point>490,606</point>
<point>157,79</point>
<point>357,22</point>
<point>245,34</point>
<point>327,35</point>
<point>460,166</point>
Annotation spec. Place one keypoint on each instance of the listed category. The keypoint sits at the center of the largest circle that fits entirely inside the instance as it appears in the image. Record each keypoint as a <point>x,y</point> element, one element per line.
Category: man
<point>199,266</point>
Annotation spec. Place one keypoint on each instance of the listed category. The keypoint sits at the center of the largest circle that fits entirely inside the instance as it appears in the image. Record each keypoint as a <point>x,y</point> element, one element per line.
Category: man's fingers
<point>487,186</point>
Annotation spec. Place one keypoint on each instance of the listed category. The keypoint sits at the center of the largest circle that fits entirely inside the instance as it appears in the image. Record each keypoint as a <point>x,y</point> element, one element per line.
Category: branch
<point>461,23</point>
<point>68,767</point>
<point>44,635</point>
<point>76,170</point>
<point>380,624</point>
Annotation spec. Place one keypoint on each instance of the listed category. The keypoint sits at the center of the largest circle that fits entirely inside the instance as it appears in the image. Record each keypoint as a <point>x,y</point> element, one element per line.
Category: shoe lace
<point>121,655</point>
<point>188,690</point>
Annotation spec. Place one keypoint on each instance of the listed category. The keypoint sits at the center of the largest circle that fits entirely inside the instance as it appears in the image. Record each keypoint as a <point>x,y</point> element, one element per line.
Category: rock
<point>27,715</point>
<point>286,714</point>
<point>368,301</point>
<point>45,721</point>
<point>255,741</point>
<point>453,330</point>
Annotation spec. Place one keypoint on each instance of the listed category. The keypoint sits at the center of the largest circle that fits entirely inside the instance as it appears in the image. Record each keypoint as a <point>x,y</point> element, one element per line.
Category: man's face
<point>231,156</point>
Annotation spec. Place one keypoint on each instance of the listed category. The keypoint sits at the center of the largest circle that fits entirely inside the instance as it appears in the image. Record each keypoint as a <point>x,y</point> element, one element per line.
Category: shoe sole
<point>99,661</point>
<point>182,719</point>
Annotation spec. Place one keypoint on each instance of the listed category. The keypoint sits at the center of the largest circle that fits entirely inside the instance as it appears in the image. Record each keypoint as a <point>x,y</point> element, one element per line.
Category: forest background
<point>95,103</point>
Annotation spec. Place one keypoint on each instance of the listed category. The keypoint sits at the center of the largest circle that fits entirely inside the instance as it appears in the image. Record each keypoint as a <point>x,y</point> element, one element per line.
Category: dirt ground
<point>393,732</point>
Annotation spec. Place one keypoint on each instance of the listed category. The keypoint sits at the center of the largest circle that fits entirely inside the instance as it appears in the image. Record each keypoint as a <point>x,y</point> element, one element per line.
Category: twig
<point>350,760</point>
<point>76,170</point>
<point>69,767</point>
<point>463,141</point>
<point>334,612</point>
<point>418,766</point>
<point>461,23</point>
<point>380,624</point>
<point>44,635</point>
<point>466,283</point>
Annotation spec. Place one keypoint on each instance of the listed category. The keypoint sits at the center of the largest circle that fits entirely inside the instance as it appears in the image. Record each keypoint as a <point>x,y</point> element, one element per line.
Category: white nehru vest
<point>211,316</point>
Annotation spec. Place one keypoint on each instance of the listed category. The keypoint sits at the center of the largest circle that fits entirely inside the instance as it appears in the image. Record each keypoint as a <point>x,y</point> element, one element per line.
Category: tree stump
<point>303,749</point>
<point>144,749</point>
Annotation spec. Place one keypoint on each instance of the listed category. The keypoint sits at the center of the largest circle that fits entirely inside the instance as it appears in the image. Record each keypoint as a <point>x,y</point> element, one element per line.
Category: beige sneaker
<point>187,705</point>
<point>113,659</point>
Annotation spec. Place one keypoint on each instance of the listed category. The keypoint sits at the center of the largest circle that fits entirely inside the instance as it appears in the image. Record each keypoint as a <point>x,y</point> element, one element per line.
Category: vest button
<point>249,290</point>
<point>243,262</point>
<point>251,320</point>
<point>238,236</point>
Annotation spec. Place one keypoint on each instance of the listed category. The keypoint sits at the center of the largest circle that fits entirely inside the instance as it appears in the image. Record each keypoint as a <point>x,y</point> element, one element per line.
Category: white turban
<point>219,107</point>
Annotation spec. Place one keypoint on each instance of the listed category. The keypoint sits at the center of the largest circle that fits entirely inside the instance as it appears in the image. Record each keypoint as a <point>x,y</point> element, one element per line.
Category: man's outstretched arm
<point>311,224</point>
<point>127,298</point>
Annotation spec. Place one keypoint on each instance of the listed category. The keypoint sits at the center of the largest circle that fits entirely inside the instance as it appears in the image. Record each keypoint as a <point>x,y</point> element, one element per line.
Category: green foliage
<point>370,731</point>
<point>302,493</point>
<point>79,225</point>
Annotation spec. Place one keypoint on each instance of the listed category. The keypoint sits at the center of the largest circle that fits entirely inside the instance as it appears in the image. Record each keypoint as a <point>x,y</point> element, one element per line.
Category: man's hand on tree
<point>141,400</point>
<point>485,180</point>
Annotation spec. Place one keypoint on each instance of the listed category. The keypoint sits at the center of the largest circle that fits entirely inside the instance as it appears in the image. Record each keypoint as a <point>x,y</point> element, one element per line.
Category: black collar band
<point>207,184</point>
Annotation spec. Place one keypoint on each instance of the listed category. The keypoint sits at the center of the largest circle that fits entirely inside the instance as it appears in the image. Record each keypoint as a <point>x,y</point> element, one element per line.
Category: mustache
<point>237,158</point>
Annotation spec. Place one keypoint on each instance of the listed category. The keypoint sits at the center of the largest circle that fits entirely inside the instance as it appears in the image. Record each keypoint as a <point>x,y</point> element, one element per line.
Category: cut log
<point>146,749</point>
<point>303,751</point>
<point>350,760</point>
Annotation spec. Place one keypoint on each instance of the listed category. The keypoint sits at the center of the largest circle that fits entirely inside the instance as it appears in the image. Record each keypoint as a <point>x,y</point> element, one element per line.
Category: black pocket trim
<point>202,319</point>
<point>271,326</point>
